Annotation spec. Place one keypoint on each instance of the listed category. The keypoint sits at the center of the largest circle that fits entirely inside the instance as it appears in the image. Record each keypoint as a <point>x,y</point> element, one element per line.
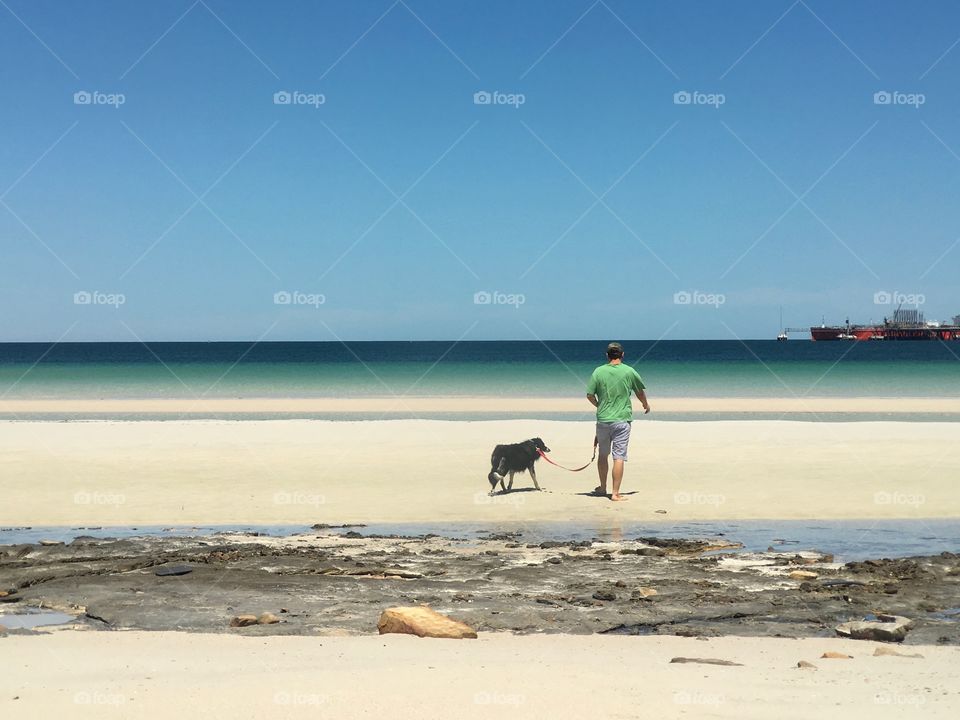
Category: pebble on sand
<point>831,655</point>
<point>423,621</point>
<point>706,661</point>
<point>803,664</point>
<point>803,575</point>
<point>887,650</point>
<point>267,618</point>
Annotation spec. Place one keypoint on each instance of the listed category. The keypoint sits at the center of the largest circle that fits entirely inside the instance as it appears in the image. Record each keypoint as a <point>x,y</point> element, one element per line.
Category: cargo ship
<point>907,324</point>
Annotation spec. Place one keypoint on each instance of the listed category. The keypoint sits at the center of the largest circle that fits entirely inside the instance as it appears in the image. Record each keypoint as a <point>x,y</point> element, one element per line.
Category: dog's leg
<point>533,474</point>
<point>510,486</point>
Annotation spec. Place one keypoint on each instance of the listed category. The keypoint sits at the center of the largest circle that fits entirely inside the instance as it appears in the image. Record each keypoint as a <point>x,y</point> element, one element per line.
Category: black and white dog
<point>512,459</point>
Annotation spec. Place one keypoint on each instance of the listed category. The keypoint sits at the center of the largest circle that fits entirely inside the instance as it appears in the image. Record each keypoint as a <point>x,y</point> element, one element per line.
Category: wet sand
<point>415,471</point>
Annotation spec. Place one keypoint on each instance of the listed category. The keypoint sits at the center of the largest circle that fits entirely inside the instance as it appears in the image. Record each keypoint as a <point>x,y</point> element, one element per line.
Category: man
<point>609,390</point>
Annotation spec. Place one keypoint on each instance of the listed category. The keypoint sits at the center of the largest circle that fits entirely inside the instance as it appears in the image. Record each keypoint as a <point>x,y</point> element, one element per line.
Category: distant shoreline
<point>479,405</point>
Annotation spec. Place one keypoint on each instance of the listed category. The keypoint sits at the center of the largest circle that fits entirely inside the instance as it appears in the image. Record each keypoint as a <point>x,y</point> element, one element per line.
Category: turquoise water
<point>554,369</point>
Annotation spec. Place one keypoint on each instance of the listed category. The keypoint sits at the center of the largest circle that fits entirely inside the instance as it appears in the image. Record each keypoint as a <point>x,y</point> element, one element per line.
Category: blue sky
<point>587,211</point>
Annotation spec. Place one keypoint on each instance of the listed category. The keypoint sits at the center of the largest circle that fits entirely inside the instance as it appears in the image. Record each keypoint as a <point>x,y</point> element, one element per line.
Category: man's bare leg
<point>602,472</point>
<point>617,479</point>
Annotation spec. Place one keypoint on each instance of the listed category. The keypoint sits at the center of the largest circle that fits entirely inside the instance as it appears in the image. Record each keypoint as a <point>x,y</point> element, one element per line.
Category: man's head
<point>614,351</point>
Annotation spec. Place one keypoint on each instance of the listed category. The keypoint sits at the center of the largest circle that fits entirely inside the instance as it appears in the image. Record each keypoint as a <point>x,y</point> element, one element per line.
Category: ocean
<point>670,368</point>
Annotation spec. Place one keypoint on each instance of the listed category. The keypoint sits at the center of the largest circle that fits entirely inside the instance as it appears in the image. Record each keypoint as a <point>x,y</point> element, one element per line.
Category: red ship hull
<point>881,332</point>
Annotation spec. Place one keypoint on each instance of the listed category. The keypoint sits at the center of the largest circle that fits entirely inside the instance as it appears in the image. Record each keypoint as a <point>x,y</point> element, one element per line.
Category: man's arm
<point>592,399</point>
<point>642,397</point>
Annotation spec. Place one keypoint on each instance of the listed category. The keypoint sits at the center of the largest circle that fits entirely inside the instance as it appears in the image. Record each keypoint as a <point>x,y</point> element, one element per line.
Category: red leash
<point>544,456</point>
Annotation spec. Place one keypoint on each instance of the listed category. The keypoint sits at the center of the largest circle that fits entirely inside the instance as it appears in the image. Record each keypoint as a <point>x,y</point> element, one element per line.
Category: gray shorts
<point>616,435</point>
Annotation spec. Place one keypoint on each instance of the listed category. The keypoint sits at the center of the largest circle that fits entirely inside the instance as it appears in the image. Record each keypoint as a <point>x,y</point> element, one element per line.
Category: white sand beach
<point>163,675</point>
<point>176,472</point>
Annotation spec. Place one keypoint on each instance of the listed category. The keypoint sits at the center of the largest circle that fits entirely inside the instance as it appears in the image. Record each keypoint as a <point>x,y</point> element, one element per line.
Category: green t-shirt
<point>614,386</point>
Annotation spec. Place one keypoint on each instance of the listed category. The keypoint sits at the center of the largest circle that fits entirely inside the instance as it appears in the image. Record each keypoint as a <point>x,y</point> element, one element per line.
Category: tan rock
<point>887,650</point>
<point>423,621</point>
<point>803,575</point>
<point>267,619</point>
<point>803,664</point>
<point>51,543</point>
<point>243,621</point>
<point>646,592</point>
<point>837,656</point>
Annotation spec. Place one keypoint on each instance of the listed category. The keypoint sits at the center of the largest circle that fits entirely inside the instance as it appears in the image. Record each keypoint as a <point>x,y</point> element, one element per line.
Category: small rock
<point>267,618</point>
<point>806,665</point>
<point>706,661</point>
<point>423,621</point>
<point>887,650</point>
<point>836,656</point>
<point>803,575</point>
<point>644,592</point>
<point>554,560</point>
<point>50,543</point>
<point>243,621</point>
<point>888,628</point>
<point>660,512</point>
<point>605,595</point>
<point>172,570</point>
<point>620,584</point>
